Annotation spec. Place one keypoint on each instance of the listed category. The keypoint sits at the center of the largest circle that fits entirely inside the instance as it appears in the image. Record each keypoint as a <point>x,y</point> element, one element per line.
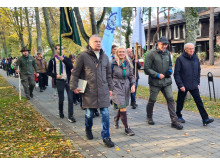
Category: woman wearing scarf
<point>123,78</point>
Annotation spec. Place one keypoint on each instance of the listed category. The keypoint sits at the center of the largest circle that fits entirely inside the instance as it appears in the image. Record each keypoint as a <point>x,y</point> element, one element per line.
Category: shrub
<point>202,57</point>
<point>175,55</point>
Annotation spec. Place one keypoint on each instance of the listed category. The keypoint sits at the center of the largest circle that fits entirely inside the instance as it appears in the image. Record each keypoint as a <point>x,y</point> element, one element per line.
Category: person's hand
<point>132,88</point>
<point>37,74</point>
<point>59,76</point>
<point>17,71</point>
<point>183,89</point>
<point>161,76</point>
<point>136,61</point>
<point>61,58</point>
<point>110,93</point>
<point>77,90</point>
<point>198,86</point>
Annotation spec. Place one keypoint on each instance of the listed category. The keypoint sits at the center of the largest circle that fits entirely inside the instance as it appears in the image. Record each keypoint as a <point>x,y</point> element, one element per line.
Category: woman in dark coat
<point>123,78</point>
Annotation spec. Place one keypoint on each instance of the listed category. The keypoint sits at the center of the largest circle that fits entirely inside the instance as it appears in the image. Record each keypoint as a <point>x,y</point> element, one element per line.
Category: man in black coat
<point>187,77</point>
<point>60,68</point>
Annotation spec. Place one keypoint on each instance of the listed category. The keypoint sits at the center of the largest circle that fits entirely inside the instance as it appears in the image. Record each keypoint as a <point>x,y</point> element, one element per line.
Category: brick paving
<point>157,141</point>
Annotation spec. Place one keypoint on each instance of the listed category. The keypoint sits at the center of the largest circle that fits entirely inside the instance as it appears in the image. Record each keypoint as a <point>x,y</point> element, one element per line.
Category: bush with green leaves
<point>175,56</point>
<point>202,57</point>
<point>217,55</point>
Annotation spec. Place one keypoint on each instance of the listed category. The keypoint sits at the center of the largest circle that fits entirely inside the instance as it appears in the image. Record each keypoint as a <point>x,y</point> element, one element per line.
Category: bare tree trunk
<point>39,41</point>
<point>99,22</point>
<point>4,43</point>
<point>29,29</point>
<point>211,37</point>
<point>149,29</point>
<point>158,28</point>
<point>47,23</point>
<point>92,19</point>
<point>168,26</point>
<point>18,16</point>
<point>80,24</point>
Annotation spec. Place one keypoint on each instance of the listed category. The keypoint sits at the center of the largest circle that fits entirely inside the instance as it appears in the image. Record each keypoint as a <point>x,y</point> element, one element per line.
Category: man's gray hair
<point>94,35</point>
<point>187,44</point>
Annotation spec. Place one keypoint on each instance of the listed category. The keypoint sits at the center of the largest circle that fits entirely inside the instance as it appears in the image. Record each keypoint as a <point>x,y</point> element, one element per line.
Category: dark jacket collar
<point>91,52</point>
<point>184,54</point>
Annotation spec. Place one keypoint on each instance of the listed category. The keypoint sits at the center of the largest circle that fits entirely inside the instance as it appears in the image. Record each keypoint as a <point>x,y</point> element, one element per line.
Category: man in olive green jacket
<point>27,65</point>
<point>158,66</point>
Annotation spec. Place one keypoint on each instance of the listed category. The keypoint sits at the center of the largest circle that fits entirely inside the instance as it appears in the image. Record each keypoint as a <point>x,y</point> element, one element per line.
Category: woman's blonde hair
<point>117,59</point>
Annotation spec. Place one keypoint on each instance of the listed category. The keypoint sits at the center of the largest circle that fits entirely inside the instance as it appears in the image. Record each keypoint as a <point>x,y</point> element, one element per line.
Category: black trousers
<point>61,86</point>
<point>196,96</point>
<point>42,79</point>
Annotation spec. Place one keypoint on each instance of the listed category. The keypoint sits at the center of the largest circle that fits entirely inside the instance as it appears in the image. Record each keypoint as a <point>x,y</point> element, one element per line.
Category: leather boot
<point>61,110</point>
<point>149,109</point>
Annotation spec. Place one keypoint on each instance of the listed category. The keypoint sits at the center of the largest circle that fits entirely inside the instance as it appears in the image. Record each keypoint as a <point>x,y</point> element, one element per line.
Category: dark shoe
<point>72,119</point>
<point>177,126</point>
<point>31,95</point>
<point>108,142</point>
<point>44,88</point>
<point>116,123</point>
<point>61,115</point>
<point>150,121</point>
<point>129,132</point>
<point>75,103</point>
<point>134,106</point>
<point>207,121</point>
<point>41,90</point>
<point>28,98</point>
<point>89,134</point>
<point>181,120</point>
<point>96,113</point>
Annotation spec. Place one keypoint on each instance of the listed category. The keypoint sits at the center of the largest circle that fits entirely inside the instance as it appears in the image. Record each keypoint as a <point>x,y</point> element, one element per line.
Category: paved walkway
<point>158,141</point>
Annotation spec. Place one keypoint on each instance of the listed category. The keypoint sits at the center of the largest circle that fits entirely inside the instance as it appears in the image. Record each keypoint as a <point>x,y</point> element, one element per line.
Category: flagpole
<point>135,64</point>
<point>19,86</point>
<point>60,37</point>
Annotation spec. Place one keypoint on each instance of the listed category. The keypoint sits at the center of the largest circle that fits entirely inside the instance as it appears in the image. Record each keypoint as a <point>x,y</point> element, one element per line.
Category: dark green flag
<point>68,26</point>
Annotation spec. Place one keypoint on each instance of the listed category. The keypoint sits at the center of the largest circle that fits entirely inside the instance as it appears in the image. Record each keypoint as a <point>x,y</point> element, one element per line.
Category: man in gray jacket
<point>158,66</point>
<point>93,66</point>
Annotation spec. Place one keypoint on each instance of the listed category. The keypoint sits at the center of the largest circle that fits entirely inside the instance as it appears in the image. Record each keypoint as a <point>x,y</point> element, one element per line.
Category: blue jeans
<point>133,95</point>
<point>105,121</point>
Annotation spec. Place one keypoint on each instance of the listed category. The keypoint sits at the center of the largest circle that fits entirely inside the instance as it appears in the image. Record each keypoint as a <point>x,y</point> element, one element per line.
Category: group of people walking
<point>115,80</point>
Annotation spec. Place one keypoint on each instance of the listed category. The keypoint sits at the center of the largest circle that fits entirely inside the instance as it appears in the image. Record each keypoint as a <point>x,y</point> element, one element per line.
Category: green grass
<point>24,133</point>
<point>212,107</point>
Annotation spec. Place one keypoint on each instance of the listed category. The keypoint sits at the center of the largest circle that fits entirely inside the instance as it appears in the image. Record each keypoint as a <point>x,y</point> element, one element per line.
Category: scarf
<point>124,70</point>
<point>61,64</point>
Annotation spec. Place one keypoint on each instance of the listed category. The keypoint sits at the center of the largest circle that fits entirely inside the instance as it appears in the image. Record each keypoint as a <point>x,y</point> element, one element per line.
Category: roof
<point>178,18</point>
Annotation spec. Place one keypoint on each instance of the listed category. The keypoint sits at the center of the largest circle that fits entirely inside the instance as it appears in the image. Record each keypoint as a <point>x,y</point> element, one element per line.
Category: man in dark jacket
<point>133,95</point>
<point>60,69</point>
<point>93,66</point>
<point>187,77</point>
<point>158,66</point>
<point>27,65</point>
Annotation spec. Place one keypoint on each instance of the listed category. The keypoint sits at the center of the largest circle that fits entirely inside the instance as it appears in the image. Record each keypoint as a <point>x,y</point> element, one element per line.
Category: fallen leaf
<point>117,148</point>
<point>212,143</point>
<point>186,134</point>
